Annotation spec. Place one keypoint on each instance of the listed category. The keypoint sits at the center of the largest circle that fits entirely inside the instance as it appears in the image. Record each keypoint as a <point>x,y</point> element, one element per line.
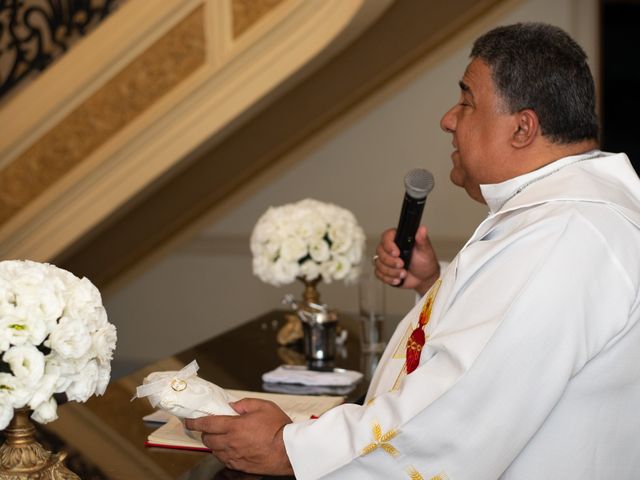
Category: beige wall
<point>207,286</point>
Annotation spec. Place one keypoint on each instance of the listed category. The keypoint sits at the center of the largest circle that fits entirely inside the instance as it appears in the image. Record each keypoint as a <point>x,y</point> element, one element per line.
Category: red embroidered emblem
<point>414,348</point>
<point>417,339</point>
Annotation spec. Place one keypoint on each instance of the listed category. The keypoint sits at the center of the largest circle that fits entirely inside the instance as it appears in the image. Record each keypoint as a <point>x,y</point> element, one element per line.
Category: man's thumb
<point>421,240</point>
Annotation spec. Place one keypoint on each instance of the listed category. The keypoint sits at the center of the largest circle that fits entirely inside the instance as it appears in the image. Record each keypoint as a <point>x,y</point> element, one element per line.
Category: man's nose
<point>448,121</point>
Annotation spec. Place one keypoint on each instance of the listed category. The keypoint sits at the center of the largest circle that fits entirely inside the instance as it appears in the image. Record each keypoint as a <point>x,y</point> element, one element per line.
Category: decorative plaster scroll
<point>147,78</point>
<point>34,33</point>
<point>247,12</point>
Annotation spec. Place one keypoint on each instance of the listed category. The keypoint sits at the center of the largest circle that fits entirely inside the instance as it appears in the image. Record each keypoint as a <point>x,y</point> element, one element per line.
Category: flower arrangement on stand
<point>310,241</point>
<point>54,339</point>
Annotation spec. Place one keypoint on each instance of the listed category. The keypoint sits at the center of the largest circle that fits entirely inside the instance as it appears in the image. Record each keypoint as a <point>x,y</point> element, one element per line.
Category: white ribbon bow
<point>177,382</point>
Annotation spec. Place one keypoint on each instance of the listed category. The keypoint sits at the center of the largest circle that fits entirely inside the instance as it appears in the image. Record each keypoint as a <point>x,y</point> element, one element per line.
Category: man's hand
<point>423,269</point>
<point>252,441</point>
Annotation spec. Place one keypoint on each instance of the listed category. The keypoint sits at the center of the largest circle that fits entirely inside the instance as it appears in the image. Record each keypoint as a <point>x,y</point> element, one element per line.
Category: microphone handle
<point>410,217</point>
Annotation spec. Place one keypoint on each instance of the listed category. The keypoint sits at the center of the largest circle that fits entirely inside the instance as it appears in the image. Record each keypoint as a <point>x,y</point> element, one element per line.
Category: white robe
<point>531,369</point>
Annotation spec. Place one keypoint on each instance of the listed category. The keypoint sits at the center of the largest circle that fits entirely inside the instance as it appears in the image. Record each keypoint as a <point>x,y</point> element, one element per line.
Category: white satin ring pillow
<point>183,394</point>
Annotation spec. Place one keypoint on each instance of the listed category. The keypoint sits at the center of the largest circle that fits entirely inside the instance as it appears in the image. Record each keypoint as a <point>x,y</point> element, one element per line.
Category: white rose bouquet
<point>308,240</point>
<point>54,338</point>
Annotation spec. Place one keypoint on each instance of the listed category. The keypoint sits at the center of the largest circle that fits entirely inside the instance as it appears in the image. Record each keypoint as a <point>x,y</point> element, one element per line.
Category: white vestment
<point>531,367</point>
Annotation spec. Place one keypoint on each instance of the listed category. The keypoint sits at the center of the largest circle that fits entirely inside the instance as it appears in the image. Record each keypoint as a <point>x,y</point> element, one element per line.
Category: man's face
<point>482,132</point>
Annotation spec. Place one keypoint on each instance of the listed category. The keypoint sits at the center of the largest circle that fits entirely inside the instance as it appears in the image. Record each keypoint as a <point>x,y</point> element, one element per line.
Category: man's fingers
<point>387,242</point>
<point>386,262</point>
<point>248,405</point>
<point>388,266</point>
<point>211,424</point>
<point>387,252</point>
<point>218,444</point>
<point>251,441</point>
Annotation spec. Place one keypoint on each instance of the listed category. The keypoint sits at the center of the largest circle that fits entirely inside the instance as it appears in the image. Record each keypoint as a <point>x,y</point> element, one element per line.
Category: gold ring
<point>374,258</point>
<point>178,385</point>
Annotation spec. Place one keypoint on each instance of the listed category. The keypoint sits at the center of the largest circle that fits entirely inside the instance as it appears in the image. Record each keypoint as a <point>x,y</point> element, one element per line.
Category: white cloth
<point>183,394</point>
<point>301,375</point>
<point>532,363</point>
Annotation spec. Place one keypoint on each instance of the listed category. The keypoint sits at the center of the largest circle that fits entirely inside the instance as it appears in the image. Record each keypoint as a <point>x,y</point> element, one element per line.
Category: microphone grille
<point>419,182</point>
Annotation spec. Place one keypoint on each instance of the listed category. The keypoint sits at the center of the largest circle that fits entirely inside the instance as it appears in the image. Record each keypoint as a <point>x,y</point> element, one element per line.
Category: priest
<point>522,358</point>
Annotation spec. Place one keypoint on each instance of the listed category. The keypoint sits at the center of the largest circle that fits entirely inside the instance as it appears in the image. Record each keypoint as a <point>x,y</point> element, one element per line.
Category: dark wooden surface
<point>107,433</point>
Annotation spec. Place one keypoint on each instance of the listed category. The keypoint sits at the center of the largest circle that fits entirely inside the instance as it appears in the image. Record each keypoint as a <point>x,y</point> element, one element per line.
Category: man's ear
<point>527,127</point>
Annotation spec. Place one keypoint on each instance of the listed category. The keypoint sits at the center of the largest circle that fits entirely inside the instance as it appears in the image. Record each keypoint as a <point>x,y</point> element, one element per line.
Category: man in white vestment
<point>522,359</point>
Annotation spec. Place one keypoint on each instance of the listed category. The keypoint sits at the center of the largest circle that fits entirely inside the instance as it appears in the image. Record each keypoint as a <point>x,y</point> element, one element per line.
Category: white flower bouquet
<point>54,338</point>
<point>308,240</point>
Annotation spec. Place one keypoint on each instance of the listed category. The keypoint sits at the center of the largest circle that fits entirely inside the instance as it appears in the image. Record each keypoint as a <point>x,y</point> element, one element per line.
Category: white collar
<point>498,194</point>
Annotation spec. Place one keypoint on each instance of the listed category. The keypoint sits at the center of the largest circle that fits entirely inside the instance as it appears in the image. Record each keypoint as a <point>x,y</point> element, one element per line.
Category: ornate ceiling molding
<point>247,12</point>
<point>100,117</point>
<point>133,102</point>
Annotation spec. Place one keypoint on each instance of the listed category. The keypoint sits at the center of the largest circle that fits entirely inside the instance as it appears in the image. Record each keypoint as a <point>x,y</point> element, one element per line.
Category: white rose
<point>271,249</point>
<point>83,385</point>
<point>5,333</point>
<point>46,412</point>
<point>61,369</point>
<point>310,227</point>
<point>26,362</point>
<point>20,327</point>
<point>97,319</point>
<point>354,254</point>
<point>319,250</point>
<point>94,319</point>
<point>12,391</point>
<point>336,269</point>
<point>104,375</point>
<point>82,298</point>
<point>293,249</point>
<point>24,272</point>
<point>7,295</point>
<point>46,389</point>
<point>40,301</point>
<point>70,338</point>
<point>6,414</point>
<point>285,272</point>
<point>340,235</point>
<point>63,279</point>
<point>103,342</point>
<point>265,228</point>
<point>309,270</point>
<point>261,267</point>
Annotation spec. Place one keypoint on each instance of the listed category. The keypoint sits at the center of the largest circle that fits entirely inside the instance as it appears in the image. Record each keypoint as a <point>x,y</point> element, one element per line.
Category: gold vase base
<point>23,458</point>
<point>53,469</point>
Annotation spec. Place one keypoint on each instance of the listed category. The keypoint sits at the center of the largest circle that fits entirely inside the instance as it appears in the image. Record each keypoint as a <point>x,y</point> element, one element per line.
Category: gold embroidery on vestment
<point>400,351</point>
<point>381,440</point>
<point>415,475</point>
<point>401,375</point>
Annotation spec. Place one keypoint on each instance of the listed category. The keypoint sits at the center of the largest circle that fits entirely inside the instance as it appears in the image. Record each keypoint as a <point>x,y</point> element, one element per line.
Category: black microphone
<point>418,183</point>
